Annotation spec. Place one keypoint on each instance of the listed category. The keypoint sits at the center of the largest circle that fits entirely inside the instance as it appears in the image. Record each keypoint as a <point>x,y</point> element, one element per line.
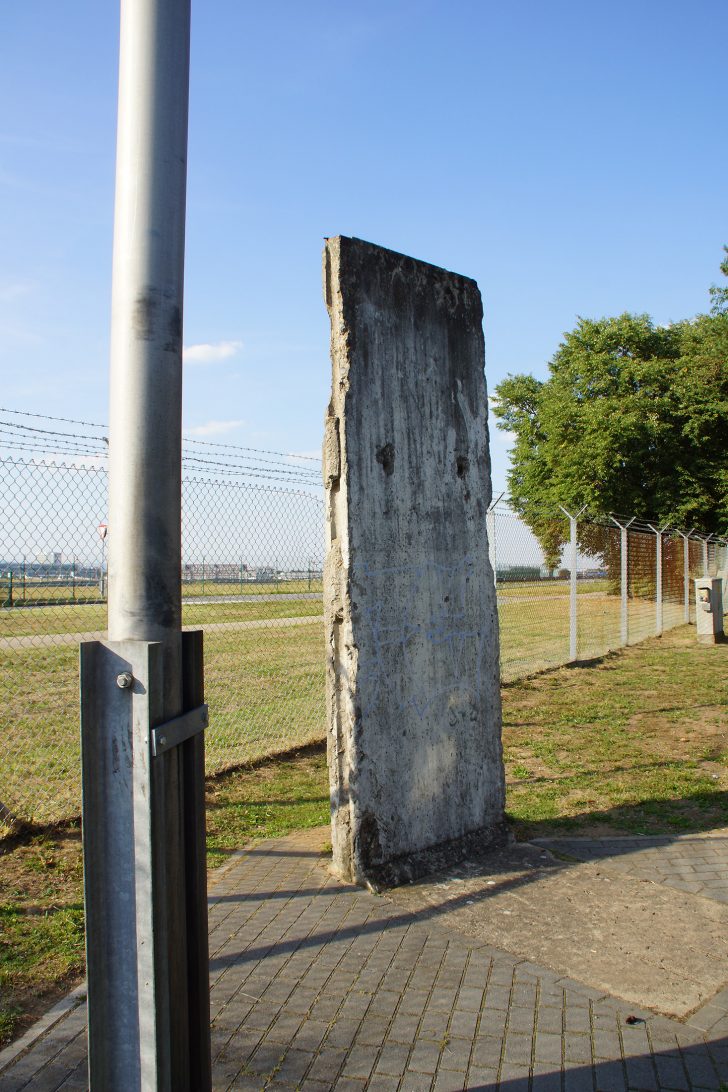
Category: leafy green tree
<point>632,420</point>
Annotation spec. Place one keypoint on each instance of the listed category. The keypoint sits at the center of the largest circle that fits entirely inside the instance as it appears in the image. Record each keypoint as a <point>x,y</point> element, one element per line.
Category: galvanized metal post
<point>573,561</point>
<point>490,532</point>
<point>686,574</point>
<point>141,691</point>
<point>706,563</point>
<point>624,579</point>
<point>658,533</point>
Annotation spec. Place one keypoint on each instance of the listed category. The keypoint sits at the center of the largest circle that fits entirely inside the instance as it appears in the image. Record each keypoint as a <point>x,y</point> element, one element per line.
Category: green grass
<point>265,689</point>
<point>195,588</point>
<point>266,802</point>
<point>625,745</point>
<point>265,683</point>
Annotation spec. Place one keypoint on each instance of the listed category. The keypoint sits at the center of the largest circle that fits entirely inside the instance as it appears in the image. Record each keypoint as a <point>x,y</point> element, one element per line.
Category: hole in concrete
<point>462,463</point>
<point>385,457</point>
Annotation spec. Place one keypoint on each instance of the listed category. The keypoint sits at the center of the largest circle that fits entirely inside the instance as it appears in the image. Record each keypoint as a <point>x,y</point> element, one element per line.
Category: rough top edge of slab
<point>352,244</point>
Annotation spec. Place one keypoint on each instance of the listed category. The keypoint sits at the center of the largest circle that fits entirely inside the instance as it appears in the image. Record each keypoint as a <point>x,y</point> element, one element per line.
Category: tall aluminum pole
<point>142,710</point>
<point>146,326</point>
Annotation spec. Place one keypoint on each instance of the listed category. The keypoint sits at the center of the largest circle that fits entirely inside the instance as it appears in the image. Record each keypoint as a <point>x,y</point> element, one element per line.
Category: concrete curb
<point>40,1028</point>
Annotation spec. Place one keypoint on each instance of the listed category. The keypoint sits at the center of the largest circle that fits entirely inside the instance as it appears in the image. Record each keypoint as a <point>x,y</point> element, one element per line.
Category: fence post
<point>573,615</point>
<point>490,532</point>
<point>658,578</point>
<point>706,565</point>
<point>624,578</point>
<point>686,574</point>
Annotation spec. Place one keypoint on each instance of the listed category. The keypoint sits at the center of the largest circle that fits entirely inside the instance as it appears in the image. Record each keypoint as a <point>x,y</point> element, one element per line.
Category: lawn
<point>264,676</point>
<point>637,743</point>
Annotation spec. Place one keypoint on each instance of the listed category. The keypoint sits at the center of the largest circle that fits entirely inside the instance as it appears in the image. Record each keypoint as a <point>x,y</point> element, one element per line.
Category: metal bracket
<point>176,731</point>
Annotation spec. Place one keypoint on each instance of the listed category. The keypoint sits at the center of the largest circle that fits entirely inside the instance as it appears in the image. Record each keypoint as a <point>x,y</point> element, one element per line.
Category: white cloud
<point>213,428</point>
<point>210,354</point>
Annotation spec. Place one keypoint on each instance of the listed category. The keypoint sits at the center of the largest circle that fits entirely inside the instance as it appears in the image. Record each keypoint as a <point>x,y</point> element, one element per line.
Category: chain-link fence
<point>587,587</point>
<point>252,581</point>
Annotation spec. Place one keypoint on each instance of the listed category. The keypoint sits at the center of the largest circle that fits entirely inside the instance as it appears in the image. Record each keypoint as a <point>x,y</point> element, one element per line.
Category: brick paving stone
<point>515,1078</point>
<point>463,1024</point>
<point>518,1049</point>
<point>641,1073</point>
<point>469,999</point>
<point>579,1079</point>
<point>610,1077</point>
<point>548,1048</point>
<point>425,1056</point>
<point>671,1073</point>
<point>546,1079</point>
<point>380,1083</point>
<point>447,1081</point>
<point>521,1020</point>
<point>434,1024</point>
<point>416,1082</point>
<point>480,1078</point>
<point>393,1059</point>
<point>402,1029</point>
<point>577,1048</point>
<point>456,1055</point>
<point>360,1062</point>
<point>550,1021</point>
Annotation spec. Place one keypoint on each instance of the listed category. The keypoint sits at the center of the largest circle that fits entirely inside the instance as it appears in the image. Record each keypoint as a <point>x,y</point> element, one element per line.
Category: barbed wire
<point>230,460</point>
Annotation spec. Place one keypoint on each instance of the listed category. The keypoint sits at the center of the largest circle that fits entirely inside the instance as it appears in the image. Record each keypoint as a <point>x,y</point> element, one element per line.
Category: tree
<point>633,419</point>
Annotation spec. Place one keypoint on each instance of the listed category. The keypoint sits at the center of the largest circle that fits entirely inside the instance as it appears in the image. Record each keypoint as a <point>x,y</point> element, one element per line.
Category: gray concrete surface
<point>413,700</point>
<point>318,985</point>
<point>618,929</point>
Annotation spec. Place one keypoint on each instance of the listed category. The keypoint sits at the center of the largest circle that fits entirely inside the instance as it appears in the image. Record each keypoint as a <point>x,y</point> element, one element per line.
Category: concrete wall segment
<point>412,633</point>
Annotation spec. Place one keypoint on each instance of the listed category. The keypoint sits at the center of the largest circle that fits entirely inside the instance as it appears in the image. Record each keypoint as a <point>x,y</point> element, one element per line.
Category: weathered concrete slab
<point>413,691</point>
<point>593,921</point>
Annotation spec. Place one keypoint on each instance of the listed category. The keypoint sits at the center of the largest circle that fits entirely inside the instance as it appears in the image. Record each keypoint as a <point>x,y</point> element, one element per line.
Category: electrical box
<point>709,609</point>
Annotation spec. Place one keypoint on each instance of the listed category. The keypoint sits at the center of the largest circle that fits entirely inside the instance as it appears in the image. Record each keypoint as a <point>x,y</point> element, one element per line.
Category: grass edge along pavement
<point>625,745</point>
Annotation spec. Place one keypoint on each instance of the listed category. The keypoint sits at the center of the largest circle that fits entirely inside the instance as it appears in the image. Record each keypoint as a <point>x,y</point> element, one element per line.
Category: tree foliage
<point>633,419</point>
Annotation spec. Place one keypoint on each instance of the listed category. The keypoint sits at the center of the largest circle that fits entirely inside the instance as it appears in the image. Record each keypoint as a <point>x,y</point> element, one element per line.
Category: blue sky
<point>571,157</point>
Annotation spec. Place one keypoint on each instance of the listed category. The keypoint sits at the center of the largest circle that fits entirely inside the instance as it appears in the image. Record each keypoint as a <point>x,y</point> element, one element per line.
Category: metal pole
<point>624,579</point>
<point>659,621</point>
<point>686,574</point>
<point>145,436</point>
<point>705,556</point>
<point>144,812</point>
<point>490,531</point>
<point>573,560</point>
<point>623,583</point>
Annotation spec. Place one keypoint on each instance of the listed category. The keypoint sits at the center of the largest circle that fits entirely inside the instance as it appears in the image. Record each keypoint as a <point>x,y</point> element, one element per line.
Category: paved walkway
<point>697,865</point>
<point>318,985</point>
